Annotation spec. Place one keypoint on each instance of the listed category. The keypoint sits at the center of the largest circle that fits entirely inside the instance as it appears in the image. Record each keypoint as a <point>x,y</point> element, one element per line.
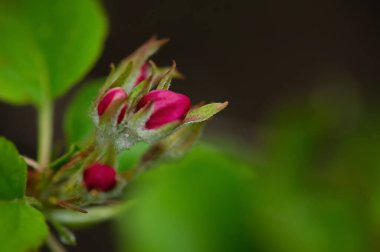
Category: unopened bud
<point>143,74</point>
<point>168,107</point>
<point>111,100</point>
<point>99,177</point>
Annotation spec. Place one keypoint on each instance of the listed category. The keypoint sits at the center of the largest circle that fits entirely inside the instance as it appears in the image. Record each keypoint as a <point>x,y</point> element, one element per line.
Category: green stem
<point>54,245</point>
<point>45,132</point>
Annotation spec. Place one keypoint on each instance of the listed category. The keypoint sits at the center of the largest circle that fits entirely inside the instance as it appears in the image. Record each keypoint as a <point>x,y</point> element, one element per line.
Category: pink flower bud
<point>114,96</point>
<point>143,74</point>
<point>100,177</point>
<point>168,107</point>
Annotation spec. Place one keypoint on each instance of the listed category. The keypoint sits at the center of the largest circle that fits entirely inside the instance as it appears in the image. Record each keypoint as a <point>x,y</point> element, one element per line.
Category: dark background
<point>251,53</point>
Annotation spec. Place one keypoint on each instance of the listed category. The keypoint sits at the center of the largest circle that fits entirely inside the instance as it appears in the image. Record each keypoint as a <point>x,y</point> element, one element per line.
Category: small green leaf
<point>46,46</point>
<point>167,78</point>
<point>178,143</point>
<point>12,172</point>
<point>59,162</point>
<point>205,112</point>
<point>77,122</point>
<point>138,58</point>
<point>22,228</point>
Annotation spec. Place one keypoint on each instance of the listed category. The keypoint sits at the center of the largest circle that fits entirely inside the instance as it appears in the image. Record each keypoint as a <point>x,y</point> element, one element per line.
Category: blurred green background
<point>291,165</point>
<point>310,183</point>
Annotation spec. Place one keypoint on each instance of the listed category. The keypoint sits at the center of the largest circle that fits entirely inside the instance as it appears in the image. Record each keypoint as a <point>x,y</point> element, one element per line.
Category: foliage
<point>47,46</point>
<point>22,226</point>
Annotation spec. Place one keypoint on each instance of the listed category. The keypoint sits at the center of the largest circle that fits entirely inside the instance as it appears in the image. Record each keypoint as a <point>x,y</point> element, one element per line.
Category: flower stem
<point>45,132</point>
<point>54,245</point>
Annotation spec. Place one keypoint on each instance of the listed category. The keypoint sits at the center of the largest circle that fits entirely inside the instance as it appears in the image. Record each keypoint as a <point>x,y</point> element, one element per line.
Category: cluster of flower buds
<point>135,104</point>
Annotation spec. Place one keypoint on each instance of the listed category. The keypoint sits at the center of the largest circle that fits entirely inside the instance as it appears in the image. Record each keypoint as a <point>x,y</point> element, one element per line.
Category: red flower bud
<point>168,107</point>
<point>113,96</point>
<point>100,177</point>
<point>143,75</point>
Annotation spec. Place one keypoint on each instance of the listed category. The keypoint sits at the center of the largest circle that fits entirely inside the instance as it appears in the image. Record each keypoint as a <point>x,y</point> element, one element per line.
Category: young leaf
<point>46,46</point>
<point>203,113</point>
<point>12,172</point>
<point>22,228</point>
<point>77,122</point>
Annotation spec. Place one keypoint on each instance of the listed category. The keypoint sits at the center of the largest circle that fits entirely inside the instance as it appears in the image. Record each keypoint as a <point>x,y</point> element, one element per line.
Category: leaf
<point>178,143</point>
<point>198,204</point>
<point>128,159</point>
<point>46,46</point>
<point>78,125</point>
<point>59,162</point>
<point>205,112</point>
<point>22,228</point>
<point>167,77</point>
<point>12,172</point>
<point>138,58</point>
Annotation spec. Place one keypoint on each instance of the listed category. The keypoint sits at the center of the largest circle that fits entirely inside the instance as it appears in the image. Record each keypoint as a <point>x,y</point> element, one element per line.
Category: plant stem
<point>45,132</point>
<point>54,245</point>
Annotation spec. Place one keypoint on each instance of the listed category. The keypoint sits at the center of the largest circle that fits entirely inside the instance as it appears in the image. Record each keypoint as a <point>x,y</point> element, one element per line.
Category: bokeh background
<point>302,79</point>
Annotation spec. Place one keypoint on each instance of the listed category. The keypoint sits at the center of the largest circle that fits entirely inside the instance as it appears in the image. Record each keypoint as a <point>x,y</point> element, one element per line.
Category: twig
<point>71,206</point>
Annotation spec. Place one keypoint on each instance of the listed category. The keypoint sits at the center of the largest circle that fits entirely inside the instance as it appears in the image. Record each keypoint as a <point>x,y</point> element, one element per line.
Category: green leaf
<point>205,112</point>
<point>128,159</point>
<point>77,122</point>
<point>22,228</point>
<point>59,162</point>
<point>12,172</point>
<point>197,204</point>
<point>47,46</point>
<point>138,58</point>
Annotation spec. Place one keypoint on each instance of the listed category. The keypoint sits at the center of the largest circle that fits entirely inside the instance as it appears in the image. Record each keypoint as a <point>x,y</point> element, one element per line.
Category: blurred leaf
<point>47,46</point>
<point>196,204</point>
<point>12,172</point>
<point>307,184</point>
<point>22,227</point>
<point>78,125</point>
<point>128,159</point>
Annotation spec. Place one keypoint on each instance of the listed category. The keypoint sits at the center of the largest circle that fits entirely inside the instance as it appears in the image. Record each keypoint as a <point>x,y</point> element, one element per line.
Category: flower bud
<point>100,177</point>
<point>168,107</point>
<point>143,74</point>
<point>111,101</point>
